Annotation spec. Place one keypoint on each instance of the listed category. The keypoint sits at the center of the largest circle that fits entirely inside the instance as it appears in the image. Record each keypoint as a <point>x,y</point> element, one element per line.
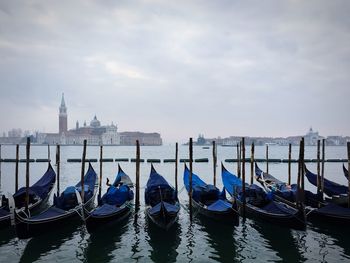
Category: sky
<point>180,68</point>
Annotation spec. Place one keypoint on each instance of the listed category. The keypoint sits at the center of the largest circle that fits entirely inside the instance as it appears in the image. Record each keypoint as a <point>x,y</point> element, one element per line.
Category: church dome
<point>95,123</point>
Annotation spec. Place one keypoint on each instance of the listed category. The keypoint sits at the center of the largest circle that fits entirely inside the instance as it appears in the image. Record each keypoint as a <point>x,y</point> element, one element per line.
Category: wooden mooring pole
<point>267,158</point>
<point>214,162</point>
<point>176,163</point>
<point>137,199</point>
<point>190,181</point>
<point>100,182</point>
<point>243,176</point>
<point>48,153</point>
<point>322,166</point>
<point>16,168</point>
<point>239,160</point>
<point>302,171</point>
<point>348,146</point>
<point>83,173</point>
<point>289,164</point>
<point>27,174</point>
<point>58,163</point>
<point>318,167</point>
<point>252,164</point>
<point>0,165</point>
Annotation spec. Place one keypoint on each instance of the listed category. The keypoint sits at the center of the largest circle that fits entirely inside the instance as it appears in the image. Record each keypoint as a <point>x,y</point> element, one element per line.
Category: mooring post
<point>267,158</point>
<point>243,175</point>
<point>0,164</point>
<point>238,160</point>
<point>48,153</point>
<point>27,173</point>
<point>176,163</point>
<point>214,162</point>
<point>252,164</point>
<point>58,163</point>
<point>322,167</point>
<point>302,171</point>
<point>83,172</point>
<point>348,146</point>
<point>100,183</point>
<point>137,199</point>
<point>318,167</point>
<point>299,178</point>
<point>289,164</point>
<point>16,168</point>
<point>190,181</point>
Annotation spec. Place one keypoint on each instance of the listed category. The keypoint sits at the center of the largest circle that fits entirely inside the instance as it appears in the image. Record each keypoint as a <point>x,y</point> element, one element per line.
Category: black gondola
<point>38,195</point>
<point>208,201</point>
<point>317,209</point>
<point>260,205</point>
<point>161,199</point>
<point>66,207</point>
<point>115,204</point>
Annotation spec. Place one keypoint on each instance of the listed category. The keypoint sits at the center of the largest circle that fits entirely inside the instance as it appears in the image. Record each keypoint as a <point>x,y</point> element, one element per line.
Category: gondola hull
<point>295,221</point>
<point>5,221</point>
<point>228,216</point>
<point>163,219</point>
<point>93,222</point>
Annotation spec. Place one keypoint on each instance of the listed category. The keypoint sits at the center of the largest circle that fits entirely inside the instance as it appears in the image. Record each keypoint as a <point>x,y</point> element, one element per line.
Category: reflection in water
<point>40,246</point>
<point>190,242</point>
<point>104,241</point>
<point>136,244</point>
<point>280,239</point>
<point>339,235</point>
<point>164,243</point>
<point>6,235</point>
<point>221,238</point>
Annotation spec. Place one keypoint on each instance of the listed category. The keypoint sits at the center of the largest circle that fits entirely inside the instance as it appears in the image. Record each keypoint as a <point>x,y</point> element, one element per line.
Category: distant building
<point>129,138</point>
<point>95,133</point>
<point>311,137</point>
<point>62,117</point>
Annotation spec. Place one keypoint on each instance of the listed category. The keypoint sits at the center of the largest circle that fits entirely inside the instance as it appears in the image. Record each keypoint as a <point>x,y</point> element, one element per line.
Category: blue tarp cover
<point>220,206</point>
<point>105,209</point>
<point>117,195</point>
<point>170,209</point>
<point>330,188</point>
<point>158,189</point>
<point>4,212</point>
<point>42,187</point>
<point>49,213</point>
<point>336,210</point>
<point>278,208</point>
<point>201,192</point>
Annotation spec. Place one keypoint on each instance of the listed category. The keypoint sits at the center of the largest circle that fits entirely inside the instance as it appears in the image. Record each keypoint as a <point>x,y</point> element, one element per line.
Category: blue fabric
<point>169,208</point>
<point>68,199</point>
<point>201,192</point>
<point>3,212</point>
<point>122,178</point>
<point>220,206</point>
<point>116,196</point>
<point>231,182</point>
<point>278,208</point>
<point>49,213</point>
<point>105,209</point>
<point>158,189</point>
<point>330,188</point>
<point>41,188</point>
<point>333,209</point>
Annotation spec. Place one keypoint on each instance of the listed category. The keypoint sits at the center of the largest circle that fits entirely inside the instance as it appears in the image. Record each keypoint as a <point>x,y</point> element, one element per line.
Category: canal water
<point>137,240</point>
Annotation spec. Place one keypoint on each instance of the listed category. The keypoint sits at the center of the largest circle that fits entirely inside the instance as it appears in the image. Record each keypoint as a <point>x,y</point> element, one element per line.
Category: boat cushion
<point>105,209</point>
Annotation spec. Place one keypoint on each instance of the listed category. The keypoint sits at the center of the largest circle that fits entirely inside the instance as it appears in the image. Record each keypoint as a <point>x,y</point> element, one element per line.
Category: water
<point>135,239</point>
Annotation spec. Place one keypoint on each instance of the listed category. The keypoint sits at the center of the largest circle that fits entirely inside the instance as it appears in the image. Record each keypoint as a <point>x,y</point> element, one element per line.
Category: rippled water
<point>135,239</point>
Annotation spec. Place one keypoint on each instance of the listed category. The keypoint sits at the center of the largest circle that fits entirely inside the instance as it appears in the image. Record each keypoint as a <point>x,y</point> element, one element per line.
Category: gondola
<point>66,207</point>
<point>115,204</point>
<point>317,209</point>
<point>161,199</point>
<point>260,205</point>
<point>336,193</point>
<point>38,195</point>
<point>208,201</point>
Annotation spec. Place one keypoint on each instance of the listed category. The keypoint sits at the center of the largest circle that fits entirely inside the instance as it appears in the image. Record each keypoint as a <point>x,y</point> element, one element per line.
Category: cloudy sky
<point>253,68</point>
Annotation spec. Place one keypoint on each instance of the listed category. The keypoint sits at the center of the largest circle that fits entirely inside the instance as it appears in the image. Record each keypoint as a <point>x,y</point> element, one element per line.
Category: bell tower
<point>62,125</point>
